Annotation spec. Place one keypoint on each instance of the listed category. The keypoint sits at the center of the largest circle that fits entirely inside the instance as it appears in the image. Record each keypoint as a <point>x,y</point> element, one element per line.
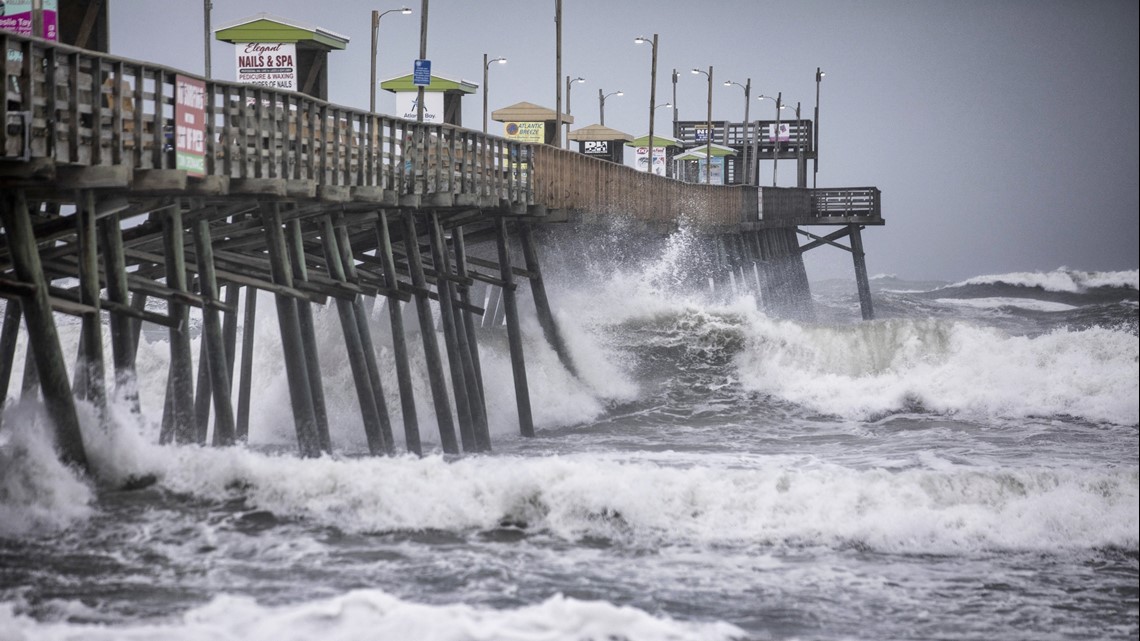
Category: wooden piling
<point>9,334</point>
<point>245,378</point>
<point>861,282</point>
<point>399,342</point>
<point>91,361</point>
<point>122,338</point>
<point>309,333</point>
<point>450,335</point>
<point>356,352</point>
<point>427,333</point>
<point>541,302</point>
<point>300,391</point>
<point>178,422</point>
<point>482,431</point>
<point>212,335</point>
<point>42,334</point>
<point>514,332</point>
<point>368,348</point>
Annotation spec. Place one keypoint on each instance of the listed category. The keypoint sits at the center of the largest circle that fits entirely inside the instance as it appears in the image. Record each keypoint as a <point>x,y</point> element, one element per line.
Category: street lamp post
<point>747,87</point>
<point>376,15</point>
<point>602,105</point>
<point>486,66</point>
<point>708,130</point>
<point>776,133</point>
<point>652,94</point>
<point>569,82</point>
<point>815,142</point>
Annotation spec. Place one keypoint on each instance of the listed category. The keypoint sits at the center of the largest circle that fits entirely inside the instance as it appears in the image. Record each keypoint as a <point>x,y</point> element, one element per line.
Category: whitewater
<point>963,467</point>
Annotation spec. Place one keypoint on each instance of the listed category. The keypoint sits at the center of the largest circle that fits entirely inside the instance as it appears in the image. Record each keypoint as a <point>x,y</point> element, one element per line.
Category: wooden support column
<point>479,400</point>
<point>541,302</point>
<point>9,334</point>
<point>399,342</point>
<point>427,333</point>
<point>861,282</point>
<point>360,315</point>
<point>122,326</point>
<point>451,339</point>
<point>300,392</point>
<point>178,420</point>
<point>41,327</point>
<point>91,360</point>
<point>245,378</point>
<point>202,388</point>
<point>212,336</point>
<point>356,352</point>
<point>309,334</point>
<point>138,303</point>
<point>514,332</point>
<point>229,327</point>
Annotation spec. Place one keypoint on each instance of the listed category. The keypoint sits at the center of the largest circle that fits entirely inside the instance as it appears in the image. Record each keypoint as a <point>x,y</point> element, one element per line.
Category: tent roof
<point>598,132</point>
<point>266,27</point>
<point>438,83</point>
<point>528,112</point>
<point>698,152</point>
<point>661,140</point>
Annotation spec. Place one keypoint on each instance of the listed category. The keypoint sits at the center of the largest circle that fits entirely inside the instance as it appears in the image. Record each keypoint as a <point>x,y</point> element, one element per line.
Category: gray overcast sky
<point>1002,133</point>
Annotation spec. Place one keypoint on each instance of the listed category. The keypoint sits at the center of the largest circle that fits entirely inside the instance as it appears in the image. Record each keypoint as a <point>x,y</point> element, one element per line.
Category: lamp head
<point>406,11</point>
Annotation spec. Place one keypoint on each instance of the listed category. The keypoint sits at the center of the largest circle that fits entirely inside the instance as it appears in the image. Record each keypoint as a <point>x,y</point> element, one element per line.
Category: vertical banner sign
<point>16,16</point>
<point>190,125</point>
<point>421,73</point>
<point>267,64</point>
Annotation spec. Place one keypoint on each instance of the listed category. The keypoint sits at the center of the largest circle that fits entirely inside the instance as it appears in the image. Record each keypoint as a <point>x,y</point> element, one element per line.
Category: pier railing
<point>70,108</point>
<point>74,107</point>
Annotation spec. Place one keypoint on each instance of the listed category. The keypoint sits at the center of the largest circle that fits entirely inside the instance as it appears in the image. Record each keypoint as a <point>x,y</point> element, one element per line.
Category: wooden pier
<point>316,204</point>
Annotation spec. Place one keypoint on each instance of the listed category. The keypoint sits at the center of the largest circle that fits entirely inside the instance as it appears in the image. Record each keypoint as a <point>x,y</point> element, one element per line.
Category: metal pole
<point>558,70</point>
<point>485,74</point>
<point>423,56</point>
<point>708,134</point>
<point>652,101</point>
<point>776,138</point>
<point>372,83</point>
<point>206,7</point>
<point>601,109</point>
<point>744,145</point>
<point>815,142</point>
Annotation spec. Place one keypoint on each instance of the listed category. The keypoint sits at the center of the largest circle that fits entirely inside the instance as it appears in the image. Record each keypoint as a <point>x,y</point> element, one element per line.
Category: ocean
<point>963,467</point>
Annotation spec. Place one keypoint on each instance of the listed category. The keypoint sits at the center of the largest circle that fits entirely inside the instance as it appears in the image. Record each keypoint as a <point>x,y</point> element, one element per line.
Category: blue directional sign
<point>421,76</point>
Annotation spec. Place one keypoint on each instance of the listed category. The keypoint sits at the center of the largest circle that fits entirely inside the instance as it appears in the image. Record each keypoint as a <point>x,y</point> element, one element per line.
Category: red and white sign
<point>190,125</point>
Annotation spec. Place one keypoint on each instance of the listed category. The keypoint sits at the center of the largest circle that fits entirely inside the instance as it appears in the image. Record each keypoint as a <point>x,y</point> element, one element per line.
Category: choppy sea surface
<point>963,467</point>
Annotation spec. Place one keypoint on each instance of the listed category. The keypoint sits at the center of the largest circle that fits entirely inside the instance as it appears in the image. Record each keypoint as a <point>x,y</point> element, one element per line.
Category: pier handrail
<point>76,107</point>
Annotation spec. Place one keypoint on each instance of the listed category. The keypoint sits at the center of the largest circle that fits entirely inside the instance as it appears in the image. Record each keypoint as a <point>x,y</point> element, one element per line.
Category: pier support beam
<point>399,342</point>
<point>122,326</point>
<point>245,375</point>
<point>309,334</point>
<point>213,336</point>
<point>455,345</point>
<point>514,332</point>
<point>427,332</point>
<point>861,282</point>
<point>90,367</point>
<point>9,334</point>
<point>360,315</point>
<point>482,431</point>
<point>41,327</point>
<point>357,353</point>
<point>296,370</point>
<point>178,417</point>
<point>541,302</point>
